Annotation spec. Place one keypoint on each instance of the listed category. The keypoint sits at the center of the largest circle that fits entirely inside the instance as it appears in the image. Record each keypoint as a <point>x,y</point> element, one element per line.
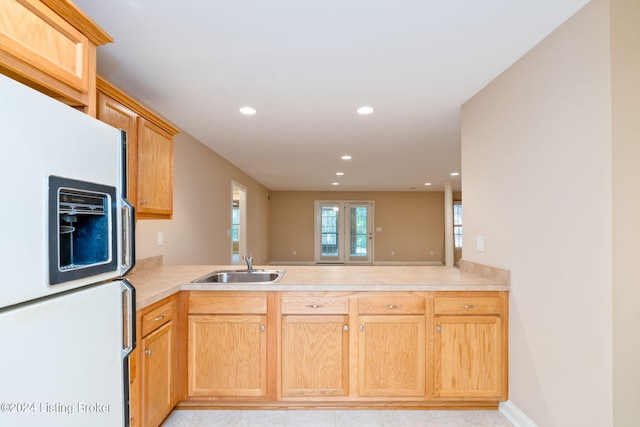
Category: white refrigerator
<point>66,312</point>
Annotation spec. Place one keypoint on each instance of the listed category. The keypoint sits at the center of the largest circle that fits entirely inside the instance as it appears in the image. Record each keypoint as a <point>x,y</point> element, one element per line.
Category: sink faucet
<point>248,258</point>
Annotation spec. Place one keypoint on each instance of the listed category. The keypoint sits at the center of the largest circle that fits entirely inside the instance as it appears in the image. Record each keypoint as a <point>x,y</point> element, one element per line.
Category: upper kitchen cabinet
<point>50,45</point>
<point>149,150</point>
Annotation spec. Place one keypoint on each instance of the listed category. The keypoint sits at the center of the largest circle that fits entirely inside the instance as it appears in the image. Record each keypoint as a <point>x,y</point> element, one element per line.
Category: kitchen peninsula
<point>321,337</point>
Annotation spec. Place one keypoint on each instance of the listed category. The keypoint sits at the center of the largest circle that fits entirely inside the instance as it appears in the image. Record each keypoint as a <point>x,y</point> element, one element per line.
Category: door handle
<point>128,317</point>
<point>128,249</point>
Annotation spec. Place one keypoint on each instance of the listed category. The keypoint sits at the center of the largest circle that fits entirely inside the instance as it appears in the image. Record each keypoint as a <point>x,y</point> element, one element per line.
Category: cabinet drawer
<point>391,304</point>
<point>467,305</point>
<point>227,303</point>
<point>158,316</point>
<point>315,304</point>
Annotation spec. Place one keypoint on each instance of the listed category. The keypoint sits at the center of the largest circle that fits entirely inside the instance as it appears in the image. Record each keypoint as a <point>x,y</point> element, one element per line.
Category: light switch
<point>480,243</point>
<point>160,239</point>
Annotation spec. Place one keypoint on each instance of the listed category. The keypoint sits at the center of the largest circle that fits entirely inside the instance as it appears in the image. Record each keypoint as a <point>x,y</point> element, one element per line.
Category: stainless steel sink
<point>241,276</point>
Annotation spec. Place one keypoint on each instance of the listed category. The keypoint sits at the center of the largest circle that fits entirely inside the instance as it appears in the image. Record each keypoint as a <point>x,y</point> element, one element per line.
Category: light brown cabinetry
<point>352,349</point>
<point>314,345</point>
<point>50,45</point>
<point>135,401</point>
<point>149,151</point>
<point>157,349</point>
<point>155,170</point>
<point>470,345</point>
<point>227,344</point>
<point>159,362</point>
<point>392,346</point>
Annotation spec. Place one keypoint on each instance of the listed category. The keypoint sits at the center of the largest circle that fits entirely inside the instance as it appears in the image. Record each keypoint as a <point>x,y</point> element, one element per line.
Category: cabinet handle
<point>143,202</point>
<point>262,328</point>
<point>391,306</point>
<point>438,328</point>
<point>159,318</point>
<point>314,306</point>
<point>345,328</point>
<point>147,352</point>
<point>362,327</point>
<point>469,306</point>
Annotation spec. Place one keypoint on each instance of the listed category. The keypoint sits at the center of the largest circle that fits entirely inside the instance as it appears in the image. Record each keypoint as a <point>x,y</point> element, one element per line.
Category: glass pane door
<point>343,232</point>
<point>359,232</point>
<point>329,226</point>
<point>330,231</point>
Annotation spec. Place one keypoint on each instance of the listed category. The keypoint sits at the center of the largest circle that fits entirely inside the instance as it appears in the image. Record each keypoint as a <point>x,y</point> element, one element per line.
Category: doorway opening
<point>343,232</point>
<point>238,222</point>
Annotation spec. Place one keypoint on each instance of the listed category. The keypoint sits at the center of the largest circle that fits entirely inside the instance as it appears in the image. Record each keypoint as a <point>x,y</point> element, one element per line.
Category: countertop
<point>156,283</point>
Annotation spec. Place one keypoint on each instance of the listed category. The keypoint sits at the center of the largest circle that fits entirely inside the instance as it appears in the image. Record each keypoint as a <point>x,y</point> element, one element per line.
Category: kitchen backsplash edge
<point>497,274</point>
<point>147,263</point>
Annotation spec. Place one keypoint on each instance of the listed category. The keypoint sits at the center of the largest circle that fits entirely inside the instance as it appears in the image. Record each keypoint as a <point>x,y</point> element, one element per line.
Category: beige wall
<point>412,224</point>
<point>198,232</point>
<point>536,162</point>
<point>625,73</point>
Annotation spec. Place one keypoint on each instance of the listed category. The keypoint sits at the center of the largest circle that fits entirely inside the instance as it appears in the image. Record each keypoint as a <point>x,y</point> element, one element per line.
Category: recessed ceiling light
<point>365,110</point>
<point>249,111</point>
<point>455,173</point>
<point>427,183</point>
<point>339,173</point>
<point>335,183</point>
<point>346,157</point>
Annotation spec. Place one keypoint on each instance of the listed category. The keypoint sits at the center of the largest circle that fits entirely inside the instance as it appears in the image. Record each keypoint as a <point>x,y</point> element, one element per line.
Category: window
<point>457,224</point>
<point>235,220</point>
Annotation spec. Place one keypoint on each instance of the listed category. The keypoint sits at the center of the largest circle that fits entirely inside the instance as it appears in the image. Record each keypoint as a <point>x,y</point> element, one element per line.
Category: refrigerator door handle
<point>128,248</point>
<point>128,340</point>
<point>128,318</point>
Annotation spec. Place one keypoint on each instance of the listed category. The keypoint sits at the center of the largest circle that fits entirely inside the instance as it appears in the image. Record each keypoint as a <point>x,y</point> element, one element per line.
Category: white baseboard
<point>515,415</point>
<point>409,263</point>
<point>292,263</point>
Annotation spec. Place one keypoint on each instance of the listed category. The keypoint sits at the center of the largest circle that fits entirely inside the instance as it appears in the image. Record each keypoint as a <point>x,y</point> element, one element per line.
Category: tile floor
<point>335,418</point>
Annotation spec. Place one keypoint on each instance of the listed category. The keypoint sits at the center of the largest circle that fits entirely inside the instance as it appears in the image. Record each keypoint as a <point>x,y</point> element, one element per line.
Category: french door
<point>343,232</point>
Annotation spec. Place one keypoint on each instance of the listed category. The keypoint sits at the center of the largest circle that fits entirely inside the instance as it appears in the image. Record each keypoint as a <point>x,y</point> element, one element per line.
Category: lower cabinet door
<point>391,356</point>
<point>157,354</point>
<point>468,357</point>
<point>227,355</point>
<point>315,355</point>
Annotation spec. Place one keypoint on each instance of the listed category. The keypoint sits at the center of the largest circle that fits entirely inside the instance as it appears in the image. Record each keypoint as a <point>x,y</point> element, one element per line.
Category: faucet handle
<point>248,258</point>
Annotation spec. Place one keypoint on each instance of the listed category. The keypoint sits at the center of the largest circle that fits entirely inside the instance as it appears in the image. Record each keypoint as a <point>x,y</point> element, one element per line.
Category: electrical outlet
<point>294,253</point>
<point>160,239</point>
<point>480,243</point>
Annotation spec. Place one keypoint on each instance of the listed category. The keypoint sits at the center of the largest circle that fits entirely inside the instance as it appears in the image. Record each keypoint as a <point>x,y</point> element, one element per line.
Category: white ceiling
<point>307,65</point>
